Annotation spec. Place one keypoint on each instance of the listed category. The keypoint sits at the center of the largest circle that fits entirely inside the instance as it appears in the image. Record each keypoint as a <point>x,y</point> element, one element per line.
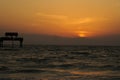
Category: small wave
<point>4,68</point>
<point>10,49</point>
<point>29,71</point>
<point>6,79</point>
<point>80,53</point>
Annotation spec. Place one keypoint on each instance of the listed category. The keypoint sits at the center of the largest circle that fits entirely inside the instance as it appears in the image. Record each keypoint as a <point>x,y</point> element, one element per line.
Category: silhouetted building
<point>11,36</point>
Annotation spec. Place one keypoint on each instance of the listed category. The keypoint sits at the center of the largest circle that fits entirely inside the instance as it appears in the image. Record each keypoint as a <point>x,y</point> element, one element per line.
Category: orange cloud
<point>52,16</point>
<point>80,21</point>
<point>66,20</point>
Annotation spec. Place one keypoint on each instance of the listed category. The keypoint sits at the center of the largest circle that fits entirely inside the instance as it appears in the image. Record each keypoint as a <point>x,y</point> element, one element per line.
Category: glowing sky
<point>69,18</point>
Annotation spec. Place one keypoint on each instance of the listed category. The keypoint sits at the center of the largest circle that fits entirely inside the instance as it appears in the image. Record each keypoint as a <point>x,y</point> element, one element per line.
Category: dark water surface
<point>60,63</point>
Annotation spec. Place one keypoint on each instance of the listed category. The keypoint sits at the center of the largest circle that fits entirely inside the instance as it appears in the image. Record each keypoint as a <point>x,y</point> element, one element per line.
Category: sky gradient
<point>91,19</point>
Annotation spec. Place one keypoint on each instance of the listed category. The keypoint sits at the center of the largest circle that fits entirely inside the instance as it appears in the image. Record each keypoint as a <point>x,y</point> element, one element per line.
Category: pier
<point>11,36</point>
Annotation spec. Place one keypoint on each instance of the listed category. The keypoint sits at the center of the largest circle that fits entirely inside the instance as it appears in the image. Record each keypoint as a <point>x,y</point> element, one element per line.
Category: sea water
<point>38,62</point>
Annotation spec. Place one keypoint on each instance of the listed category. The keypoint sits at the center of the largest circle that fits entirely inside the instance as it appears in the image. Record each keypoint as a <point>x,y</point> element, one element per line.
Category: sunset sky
<point>62,18</point>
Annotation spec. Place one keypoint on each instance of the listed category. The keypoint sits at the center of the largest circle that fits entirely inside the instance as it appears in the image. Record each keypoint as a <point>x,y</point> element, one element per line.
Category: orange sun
<point>82,35</point>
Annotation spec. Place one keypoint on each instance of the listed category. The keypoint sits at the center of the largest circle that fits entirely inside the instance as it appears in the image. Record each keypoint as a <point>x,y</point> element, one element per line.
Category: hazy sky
<point>66,18</point>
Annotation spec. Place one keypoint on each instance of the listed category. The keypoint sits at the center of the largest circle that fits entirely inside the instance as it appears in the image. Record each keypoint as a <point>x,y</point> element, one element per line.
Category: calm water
<point>60,63</point>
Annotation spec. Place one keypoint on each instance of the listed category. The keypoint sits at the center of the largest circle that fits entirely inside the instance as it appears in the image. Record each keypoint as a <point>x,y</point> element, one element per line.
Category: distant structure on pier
<point>11,36</point>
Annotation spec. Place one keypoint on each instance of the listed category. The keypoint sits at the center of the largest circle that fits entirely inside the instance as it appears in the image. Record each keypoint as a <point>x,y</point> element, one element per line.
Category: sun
<point>82,35</point>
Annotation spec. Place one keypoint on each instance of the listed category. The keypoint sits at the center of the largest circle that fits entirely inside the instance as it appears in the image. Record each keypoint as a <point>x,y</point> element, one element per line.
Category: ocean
<point>39,62</point>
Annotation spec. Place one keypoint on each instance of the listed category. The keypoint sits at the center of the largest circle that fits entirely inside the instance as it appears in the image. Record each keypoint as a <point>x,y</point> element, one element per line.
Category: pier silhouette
<point>11,36</point>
